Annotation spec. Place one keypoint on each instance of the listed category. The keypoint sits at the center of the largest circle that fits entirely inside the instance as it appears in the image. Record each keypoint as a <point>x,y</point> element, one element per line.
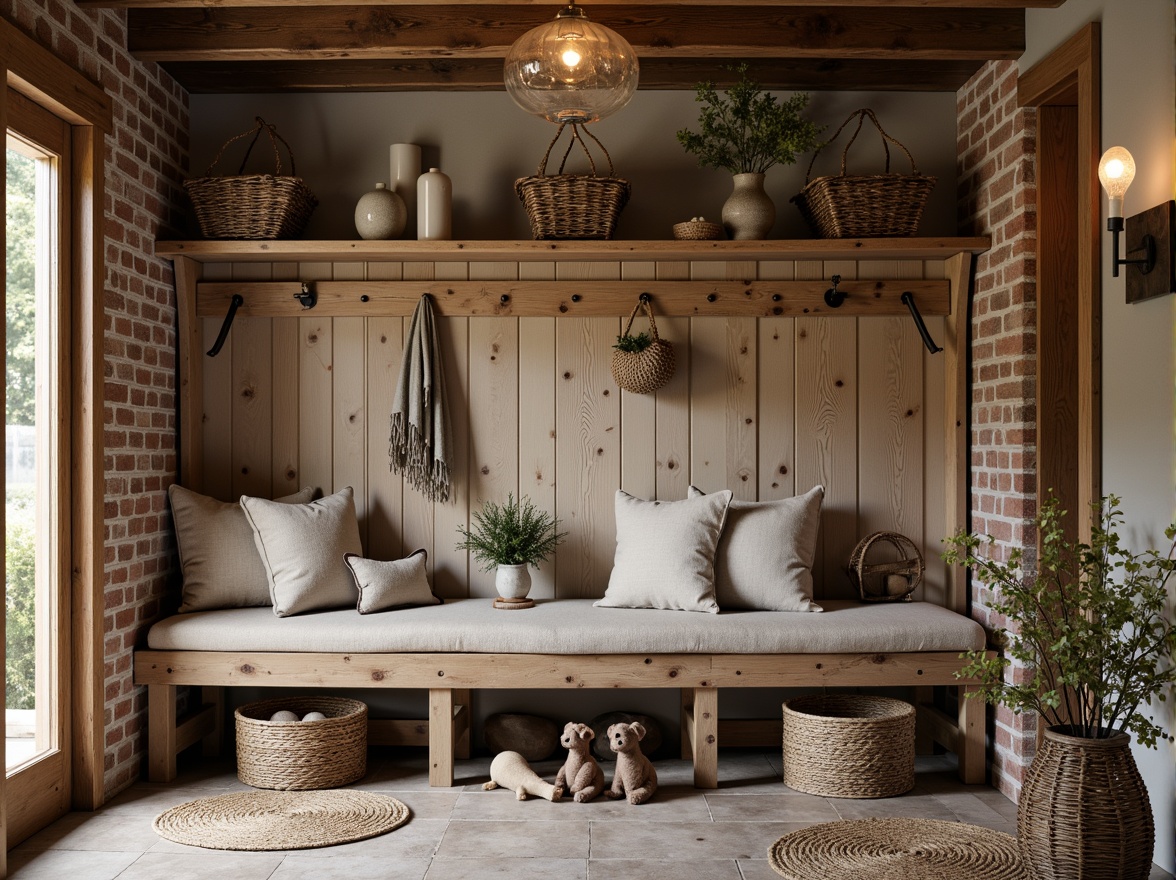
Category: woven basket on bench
<point>849,745</point>
<point>303,754</point>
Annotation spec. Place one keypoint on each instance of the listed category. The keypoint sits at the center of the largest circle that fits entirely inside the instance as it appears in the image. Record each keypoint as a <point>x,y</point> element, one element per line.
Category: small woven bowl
<point>698,230</point>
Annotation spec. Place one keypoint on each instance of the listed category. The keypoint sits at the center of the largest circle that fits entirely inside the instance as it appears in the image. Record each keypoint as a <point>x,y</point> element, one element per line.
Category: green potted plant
<point>508,539</point>
<point>746,131</point>
<point>1090,640</point>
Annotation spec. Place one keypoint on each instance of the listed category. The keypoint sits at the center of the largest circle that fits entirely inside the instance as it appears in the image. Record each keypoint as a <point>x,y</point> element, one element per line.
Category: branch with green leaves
<point>1091,624</point>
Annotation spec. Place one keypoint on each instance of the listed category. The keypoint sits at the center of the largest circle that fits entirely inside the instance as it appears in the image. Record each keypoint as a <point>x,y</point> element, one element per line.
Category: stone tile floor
<point>464,833</point>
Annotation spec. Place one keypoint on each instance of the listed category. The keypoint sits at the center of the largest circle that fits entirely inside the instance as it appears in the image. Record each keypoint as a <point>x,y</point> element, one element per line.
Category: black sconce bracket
<point>1150,250</point>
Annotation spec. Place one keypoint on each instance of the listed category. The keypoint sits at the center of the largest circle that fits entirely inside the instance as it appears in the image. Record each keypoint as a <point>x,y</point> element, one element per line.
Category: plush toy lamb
<point>580,774</point>
<point>635,775</point>
<point>511,770</point>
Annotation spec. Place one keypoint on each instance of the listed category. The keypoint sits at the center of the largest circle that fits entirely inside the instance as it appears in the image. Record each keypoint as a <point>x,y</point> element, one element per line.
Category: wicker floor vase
<point>1084,812</point>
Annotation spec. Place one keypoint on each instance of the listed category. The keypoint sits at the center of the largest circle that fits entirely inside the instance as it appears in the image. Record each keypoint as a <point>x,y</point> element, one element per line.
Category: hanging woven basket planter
<point>640,372</point>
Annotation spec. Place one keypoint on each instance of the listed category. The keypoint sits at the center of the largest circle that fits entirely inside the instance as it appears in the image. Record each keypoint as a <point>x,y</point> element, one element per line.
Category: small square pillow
<point>218,558</point>
<point>765,557</point>
<point>302,548</point>
<point>666,553</point>
<point>396,584</point>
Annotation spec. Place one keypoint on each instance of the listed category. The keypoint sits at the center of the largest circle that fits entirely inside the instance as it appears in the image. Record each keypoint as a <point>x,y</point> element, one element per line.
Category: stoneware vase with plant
<point>509,538</point>
<point>1090,642</point>
<point>746,131</point>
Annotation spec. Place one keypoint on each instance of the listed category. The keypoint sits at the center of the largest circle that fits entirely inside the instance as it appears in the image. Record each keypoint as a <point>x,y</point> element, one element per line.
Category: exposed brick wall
<point>997,197</point>
<point>146,160</point>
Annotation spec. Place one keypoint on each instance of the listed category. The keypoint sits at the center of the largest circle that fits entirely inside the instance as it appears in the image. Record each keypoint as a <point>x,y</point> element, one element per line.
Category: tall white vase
<point>434,206</point>
<point>405,163</point>
<point>748,213</point>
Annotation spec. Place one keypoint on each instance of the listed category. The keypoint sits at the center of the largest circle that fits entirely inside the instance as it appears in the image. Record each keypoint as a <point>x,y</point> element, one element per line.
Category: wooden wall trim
<point>956,423</point>
<point>191,375</point>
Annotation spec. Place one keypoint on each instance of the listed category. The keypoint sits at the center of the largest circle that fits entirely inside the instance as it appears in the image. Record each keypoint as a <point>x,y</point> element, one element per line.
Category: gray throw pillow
<point>765,556</point>
<point>666,553</point>
<point>302,548</point>
<point>218,557</point>
<point>396,584</point>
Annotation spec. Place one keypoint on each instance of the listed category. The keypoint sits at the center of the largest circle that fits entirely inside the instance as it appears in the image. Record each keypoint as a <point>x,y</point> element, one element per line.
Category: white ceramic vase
<point>748,213</point>
<point>380,214</point>
<point>513,581</point>
<point>405,166</point>
<point>434,206</point>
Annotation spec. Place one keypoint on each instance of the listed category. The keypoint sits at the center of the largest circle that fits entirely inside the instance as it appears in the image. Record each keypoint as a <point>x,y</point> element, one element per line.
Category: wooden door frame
<point>40,75</point>
<point>1070,77</point>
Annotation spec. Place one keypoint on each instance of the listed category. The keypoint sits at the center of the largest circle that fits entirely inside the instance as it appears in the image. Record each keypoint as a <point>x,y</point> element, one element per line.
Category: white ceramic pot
<point>513,581</point>
<point>748,213</point>
<point>380,214</point>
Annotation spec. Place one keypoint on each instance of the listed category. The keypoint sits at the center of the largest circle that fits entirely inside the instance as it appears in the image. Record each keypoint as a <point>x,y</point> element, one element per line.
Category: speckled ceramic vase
<point>513,581</point>
<point>380,214</point>
<point>748,214</point>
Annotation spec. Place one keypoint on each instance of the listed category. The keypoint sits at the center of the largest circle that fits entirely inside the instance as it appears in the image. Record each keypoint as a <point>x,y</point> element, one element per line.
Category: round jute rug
<point>897,849</point>
<point>265,820</point>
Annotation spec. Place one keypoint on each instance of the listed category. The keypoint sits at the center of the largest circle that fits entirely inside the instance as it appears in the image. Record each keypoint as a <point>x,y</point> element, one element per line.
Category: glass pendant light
<point>571,70</point>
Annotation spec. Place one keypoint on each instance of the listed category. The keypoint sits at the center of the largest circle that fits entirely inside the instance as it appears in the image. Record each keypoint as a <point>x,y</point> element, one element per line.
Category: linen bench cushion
<point>574,626</point>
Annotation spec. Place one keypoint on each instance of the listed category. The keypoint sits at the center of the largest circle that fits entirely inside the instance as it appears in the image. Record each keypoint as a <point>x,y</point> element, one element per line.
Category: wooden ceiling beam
<point>487,31</point>
<point>483,74</point>
<point>548,4</point>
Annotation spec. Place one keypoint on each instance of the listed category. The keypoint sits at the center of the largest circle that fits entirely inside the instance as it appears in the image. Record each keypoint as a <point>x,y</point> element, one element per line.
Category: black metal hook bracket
<point>308,297</point>
<point>235,303</point>
<point>834,297</point>
<point>908,300</point>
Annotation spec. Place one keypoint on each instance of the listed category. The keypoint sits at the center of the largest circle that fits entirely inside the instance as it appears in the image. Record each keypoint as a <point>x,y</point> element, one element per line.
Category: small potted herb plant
<point>508,539</point>
<point>1090,631</point>
<point>746,131</point>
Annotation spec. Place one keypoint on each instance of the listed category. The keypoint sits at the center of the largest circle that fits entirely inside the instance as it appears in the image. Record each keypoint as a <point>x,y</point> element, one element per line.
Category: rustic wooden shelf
<point>532,251</point>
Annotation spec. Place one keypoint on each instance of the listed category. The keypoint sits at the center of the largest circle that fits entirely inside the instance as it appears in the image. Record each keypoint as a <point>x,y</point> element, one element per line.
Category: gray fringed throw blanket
<point>420,443</point>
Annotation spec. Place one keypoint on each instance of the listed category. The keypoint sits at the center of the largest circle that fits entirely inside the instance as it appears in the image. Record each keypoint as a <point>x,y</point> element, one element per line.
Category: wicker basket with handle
<point>252,206</point>
<point>305,754</point>
<point>864,205</point>
<point>886,579</point>
<point>573,206</point>
<point>640,372</point>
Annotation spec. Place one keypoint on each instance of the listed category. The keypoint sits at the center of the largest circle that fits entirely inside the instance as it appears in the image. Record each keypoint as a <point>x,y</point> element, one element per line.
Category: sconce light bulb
<point>1116,170</point>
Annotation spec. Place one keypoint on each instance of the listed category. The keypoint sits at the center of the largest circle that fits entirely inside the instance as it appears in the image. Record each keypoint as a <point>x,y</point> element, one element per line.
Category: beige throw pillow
<point>396,584</point>
<point>765,556</point>
<point>666,553</point>
<point>302,548</point>
<point>218,557</point>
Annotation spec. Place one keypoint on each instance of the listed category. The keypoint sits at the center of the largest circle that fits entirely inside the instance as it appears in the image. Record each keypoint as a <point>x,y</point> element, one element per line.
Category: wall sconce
<point>1151,270</point>
<point>571,70</point>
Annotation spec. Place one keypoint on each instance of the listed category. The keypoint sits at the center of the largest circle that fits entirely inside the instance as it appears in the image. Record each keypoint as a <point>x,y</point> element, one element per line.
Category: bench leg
<point>210,746</point>
<point>441,739</point>
<point>924,741</point>
<point>687,719</point>
<point>161,732</point>
<point>971,740</point>
<point>705,737</point>
<point>462,747</point>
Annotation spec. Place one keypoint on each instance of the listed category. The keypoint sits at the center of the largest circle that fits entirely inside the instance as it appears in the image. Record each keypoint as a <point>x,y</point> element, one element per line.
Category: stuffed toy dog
<point>511,770</point>
<point>635,775</point>
<point>580,774</point>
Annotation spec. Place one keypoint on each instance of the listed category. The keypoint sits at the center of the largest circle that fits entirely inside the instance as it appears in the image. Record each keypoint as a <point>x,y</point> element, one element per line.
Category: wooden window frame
<point>41,76</point>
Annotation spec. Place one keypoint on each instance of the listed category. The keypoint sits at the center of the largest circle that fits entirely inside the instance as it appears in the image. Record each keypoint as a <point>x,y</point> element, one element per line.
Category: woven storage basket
<point>864,205</point>
<point>640,372</point>
<point>849,745</point>
<point>252,206</point>
<point>698,230</point>
<point>304,754</point>
<point>571,206</point>
<point>886,580</point>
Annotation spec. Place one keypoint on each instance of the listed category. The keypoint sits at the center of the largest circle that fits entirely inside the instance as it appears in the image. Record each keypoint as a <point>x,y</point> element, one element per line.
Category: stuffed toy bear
<point>580,774</point>
<point>635,775</point>
<point>511,770</point>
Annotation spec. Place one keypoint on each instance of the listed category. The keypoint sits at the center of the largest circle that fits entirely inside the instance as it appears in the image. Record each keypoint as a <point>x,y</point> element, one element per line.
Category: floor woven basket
<point>849,745</point>
<point>864,205</point>
<point>573,206</point>
<point>252,206</point>
<point>304,754</point>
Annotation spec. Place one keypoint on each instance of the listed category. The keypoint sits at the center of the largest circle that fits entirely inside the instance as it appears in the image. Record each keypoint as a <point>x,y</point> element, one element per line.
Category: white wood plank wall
<point>767,408</point>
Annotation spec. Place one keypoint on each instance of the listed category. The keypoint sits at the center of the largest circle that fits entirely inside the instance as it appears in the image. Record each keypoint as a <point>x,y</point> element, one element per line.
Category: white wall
<point>484,142</point>
<point>1139,369</point>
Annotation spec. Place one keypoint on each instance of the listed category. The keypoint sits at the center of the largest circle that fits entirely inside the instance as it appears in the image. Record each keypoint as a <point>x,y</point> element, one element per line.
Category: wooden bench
<point>449,677</point>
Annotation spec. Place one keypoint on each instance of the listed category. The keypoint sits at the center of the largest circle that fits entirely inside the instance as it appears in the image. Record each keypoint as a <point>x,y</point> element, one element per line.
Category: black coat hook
<point>834,297</point>
<point>646,297</point>
<point>235,303</point>
<point>908,300</point>
<point>308,297</point>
